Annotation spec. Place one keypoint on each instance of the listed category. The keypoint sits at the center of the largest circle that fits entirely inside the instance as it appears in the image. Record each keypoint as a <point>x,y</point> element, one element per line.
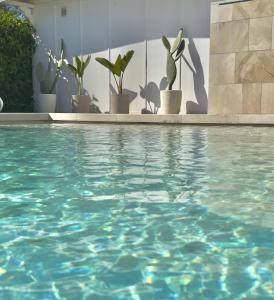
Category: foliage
<point>118,68</point>
<point>78,70</point>
<point>174,53</point>
<point>47,84</point>
<point>17,45</point>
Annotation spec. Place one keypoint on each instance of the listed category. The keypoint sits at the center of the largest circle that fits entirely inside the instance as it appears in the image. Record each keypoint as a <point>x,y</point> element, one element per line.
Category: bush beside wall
<point>17,45</point>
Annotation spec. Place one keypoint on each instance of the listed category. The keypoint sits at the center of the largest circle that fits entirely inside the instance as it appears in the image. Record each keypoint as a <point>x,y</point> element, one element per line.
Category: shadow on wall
<point>151,93</point>
<point>196,68</point>
<point>94,108</point>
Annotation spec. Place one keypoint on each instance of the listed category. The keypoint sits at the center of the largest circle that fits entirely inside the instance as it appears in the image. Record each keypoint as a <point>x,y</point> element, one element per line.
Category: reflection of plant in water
<point>184,158</point>
<point>118,146</point>
<point>172,161</point>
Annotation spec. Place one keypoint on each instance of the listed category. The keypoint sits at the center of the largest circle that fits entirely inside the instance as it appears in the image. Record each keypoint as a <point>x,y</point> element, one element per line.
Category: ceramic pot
<point>47,103</point>
<point>81,104</point>
<point>171,102</point>
<point>119,104</point>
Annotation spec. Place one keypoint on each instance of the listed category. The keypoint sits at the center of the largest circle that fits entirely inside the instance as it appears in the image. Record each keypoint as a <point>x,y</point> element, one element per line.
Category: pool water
<point>104,212</point>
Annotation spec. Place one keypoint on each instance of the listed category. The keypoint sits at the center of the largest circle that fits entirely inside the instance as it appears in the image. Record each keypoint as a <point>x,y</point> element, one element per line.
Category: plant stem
<point>116,83</point>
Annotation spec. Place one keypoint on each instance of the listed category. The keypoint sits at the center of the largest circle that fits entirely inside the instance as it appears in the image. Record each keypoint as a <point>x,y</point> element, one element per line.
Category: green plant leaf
<point>181,50</point>
<point>117,67</point>
<point>166,43</point>
<point>87,62</point>
<point>106,63</point>
<point>72,69</point>
<point>126,59</point>
<point>78,64</point>
<point>84,64</point>
<point>171,71</point>
<point>177,42</point>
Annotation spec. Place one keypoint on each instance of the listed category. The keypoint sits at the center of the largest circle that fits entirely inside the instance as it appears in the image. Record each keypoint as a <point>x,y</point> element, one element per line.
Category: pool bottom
<point>124,212</point>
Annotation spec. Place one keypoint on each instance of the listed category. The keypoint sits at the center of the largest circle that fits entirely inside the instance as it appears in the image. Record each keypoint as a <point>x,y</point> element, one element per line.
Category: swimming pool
<point>136,212</point>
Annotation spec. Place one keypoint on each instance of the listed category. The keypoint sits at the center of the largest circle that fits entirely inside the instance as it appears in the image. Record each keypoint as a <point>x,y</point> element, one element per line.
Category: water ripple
<point>136,212</point>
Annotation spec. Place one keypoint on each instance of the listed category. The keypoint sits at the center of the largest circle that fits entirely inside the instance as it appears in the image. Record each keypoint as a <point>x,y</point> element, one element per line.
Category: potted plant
<point>47,96</point>
<point>171,99</point>
<point>81,100</point>
<point>119,103</point>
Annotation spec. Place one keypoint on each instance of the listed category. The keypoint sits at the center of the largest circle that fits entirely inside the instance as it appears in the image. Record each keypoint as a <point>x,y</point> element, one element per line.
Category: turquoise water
<point>106,212</point>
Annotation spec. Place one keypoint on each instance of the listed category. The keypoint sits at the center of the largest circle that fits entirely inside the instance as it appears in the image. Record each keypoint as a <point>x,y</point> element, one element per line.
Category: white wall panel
<point>96,83</point>
<point>195,19</point>
<point>194,75</point>
<point>67,28</point>
<point>109,27</point>
<point>95,34</point>
<point>95,26</point>
<point>127,32</point>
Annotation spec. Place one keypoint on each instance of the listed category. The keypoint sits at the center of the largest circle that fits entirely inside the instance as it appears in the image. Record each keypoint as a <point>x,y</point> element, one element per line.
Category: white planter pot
<point>81,104</point>
<point>119,104</point>
<point>47,103</point>
<point>170,102</point>
<point>1,104</point>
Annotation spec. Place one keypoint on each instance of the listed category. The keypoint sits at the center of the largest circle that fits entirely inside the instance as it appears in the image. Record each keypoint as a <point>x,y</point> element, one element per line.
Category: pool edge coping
<point>138,119</point>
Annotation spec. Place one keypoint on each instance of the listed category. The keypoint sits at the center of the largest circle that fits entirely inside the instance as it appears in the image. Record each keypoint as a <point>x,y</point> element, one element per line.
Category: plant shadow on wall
<point>94,108</point>
<point>196,68</point>
<point>151,93</point>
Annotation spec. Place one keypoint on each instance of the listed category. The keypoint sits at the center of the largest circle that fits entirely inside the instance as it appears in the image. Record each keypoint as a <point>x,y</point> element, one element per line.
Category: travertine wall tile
<point>260,34</point>
<point>272,32</point>
<point>252,93</point>
<point>253,9</point>
<point>225,99</point>
<point>229,37</point>
<point>252,67</point>
<point>222,68</point>
<point>242,58</point>
<point>267,105</point>
<point>221,13</point>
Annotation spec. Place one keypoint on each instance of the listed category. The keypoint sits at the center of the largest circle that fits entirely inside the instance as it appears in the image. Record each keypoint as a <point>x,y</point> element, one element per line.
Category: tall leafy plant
<point>118,68</point>
<point>17,45</point>
<point>174,53</point>
<point>78,70</point>
<point>47,82</point>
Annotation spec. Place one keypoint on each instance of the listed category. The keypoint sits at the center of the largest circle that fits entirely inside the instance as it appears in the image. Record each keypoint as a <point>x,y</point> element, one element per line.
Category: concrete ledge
<point>29,117</point>
<point>141,119</point>
<point>167,119</point>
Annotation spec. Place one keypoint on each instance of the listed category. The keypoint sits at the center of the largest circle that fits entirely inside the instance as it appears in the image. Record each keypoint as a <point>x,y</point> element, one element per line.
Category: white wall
<point>108,27</point>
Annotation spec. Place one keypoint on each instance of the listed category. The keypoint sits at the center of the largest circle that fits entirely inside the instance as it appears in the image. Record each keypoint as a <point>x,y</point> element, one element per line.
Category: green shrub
<point>17,45</point>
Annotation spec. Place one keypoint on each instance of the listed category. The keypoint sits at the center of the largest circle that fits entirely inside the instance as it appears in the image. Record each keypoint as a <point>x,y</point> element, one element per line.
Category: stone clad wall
<point>241,58</point>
